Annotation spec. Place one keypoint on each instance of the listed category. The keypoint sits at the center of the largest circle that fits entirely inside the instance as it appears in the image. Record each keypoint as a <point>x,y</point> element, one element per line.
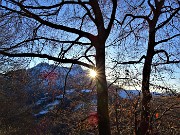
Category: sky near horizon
<point>174,82</point>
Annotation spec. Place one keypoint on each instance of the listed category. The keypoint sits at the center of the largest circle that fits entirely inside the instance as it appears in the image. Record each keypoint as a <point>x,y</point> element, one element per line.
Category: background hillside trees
<point>16,115</point>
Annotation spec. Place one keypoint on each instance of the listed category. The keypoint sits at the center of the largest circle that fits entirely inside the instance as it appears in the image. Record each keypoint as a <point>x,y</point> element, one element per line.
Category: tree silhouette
<point>157,20</point>
<point>51,31</point>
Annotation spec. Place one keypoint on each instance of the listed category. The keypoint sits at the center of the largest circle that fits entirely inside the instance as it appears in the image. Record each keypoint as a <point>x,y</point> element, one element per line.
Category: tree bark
<point>144,128</point>
<point>102,91</point>
<point>146,97</point>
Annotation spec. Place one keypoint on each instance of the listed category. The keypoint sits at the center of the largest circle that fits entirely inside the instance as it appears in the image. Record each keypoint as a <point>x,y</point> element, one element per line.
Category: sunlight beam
<point>92,73</point>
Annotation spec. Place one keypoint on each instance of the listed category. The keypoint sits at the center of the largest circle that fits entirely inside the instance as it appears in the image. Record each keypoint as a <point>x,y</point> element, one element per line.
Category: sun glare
<point>93,73</point>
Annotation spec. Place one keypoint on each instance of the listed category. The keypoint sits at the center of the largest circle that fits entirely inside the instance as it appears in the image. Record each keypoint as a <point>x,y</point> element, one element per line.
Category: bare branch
<point>166,110</point>
<point>51,6</point>
<point>87,56</point>
<point>88,11</point>
<point>167,39</point>
<point>170,62</point>
<point>65,83</point>
<point>133,62</point>
<point>99,21</point>
<point>136,17</point>
<point>65,51</point>
<point>152,7</point>
<point>135,7</point>
<point>112,16</point>
<point>115,81</point>
<point>168,19</point>
<point>35,30</point>
<point>73,61</point>
<point>43,38</point>
<point>29,14</point>
<point>14,11</point>
<point>162,51</point>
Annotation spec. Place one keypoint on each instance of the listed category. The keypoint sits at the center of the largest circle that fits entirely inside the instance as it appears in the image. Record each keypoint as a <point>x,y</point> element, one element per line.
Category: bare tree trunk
<point>144,128</point>
<point>102,92</point>
<point>146,97</point>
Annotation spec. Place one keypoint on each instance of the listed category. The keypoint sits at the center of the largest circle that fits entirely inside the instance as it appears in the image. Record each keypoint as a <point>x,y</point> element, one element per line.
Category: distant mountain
<point>46,104</point>
<point>128,93</point>
<point>46,74</point>
<point>49,105</point>
<point>46,78</point>
<point>134,93</point>
<point>45,84</point>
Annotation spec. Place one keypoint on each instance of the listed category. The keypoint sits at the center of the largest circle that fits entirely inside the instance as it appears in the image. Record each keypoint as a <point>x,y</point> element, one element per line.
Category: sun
<point>93,73</point>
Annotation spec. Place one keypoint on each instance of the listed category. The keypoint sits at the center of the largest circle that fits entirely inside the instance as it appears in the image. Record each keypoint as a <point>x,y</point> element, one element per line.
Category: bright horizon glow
<point>93,73</point>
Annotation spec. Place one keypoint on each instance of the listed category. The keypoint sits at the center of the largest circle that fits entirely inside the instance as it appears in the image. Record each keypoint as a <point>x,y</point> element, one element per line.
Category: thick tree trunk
<point>144,128</point>
<point>146,97</point>
<point>102,92</point>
